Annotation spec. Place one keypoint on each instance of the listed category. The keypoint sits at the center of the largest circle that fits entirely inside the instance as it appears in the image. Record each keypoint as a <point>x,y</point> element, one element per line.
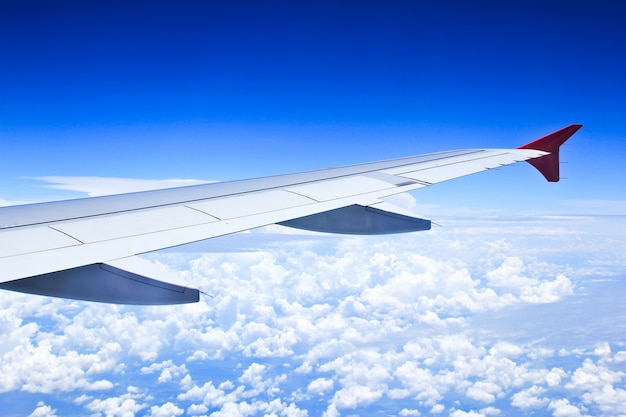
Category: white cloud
<point>4,202</point>
<point>548,291</point>
<point>404,200</point>
<point>125,405</point>
<point>167,371</point>
<point>602,349</point>
<point>506,350</point>
<point>44,369</point>
<point>530,398</point>
<point>197,409</point>
<point>563,408</point>
<point>253,376</point>
<point>97,186</point>
<point>462,413</point>
<point>320,385</point>
<point>483,391</point>
<point>43,410</point>
<point>208,394</point>
<point>591,375</point>
<point>610,400</point>
<point>554,377</point>
<point>166,410</point>
<point>510,275</point>
<point>355,396</point>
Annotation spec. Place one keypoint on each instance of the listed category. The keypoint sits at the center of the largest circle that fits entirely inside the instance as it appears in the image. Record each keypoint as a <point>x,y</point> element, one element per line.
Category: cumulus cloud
<point>166,410</point>
<point>320,385</point>
<point>167,371</point>
<point>124,405</point>
<point>43,410</point>
<point>530,398</point>
<point>563,408</point>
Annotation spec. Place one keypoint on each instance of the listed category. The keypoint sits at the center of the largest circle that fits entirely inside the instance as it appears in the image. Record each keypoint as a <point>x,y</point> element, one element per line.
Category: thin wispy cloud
<point>97,186</point>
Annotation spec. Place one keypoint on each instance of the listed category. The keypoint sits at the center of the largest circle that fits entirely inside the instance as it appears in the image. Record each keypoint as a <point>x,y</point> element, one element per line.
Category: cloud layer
<point>492,317</point>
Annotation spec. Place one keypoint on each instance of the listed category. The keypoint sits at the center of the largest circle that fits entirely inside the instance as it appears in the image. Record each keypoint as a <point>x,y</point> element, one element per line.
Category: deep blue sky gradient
<point>75,63</point>
<point>223,90</point>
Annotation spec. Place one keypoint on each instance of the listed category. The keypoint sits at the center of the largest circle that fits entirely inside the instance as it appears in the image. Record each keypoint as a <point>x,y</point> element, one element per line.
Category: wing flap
<point>106,284</point>
<point>376,219</point>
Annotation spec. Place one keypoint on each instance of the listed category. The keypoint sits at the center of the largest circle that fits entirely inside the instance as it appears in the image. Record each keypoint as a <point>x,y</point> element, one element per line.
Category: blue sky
<point>244,89</point>
<point>327,324</point>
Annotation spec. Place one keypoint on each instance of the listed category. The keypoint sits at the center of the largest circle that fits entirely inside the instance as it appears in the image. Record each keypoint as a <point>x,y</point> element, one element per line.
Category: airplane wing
<point>85,249</point>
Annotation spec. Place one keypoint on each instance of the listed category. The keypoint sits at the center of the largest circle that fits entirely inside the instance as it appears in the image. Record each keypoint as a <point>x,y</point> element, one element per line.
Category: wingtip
<point>548,165</point>
<point>552,142</point>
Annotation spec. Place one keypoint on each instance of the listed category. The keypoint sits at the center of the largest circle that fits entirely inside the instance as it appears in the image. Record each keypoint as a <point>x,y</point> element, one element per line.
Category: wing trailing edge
<point>548,165</point>
<point>105,283</point>
<point>376,219</point>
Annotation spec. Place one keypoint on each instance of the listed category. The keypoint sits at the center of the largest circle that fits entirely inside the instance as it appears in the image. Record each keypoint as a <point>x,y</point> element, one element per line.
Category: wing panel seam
<point>303,195</point>
<point>66,234</point>
<point>203,212</point>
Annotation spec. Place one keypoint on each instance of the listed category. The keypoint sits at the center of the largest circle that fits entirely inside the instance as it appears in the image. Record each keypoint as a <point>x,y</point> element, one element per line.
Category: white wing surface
<point>85,248</point>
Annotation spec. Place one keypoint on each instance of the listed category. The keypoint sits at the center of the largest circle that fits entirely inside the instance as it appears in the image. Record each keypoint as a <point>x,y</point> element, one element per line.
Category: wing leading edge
<point>85,249</point>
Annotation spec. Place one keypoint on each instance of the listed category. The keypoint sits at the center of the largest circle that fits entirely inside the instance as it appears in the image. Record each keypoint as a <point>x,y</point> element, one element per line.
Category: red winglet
<point>548,165</point>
